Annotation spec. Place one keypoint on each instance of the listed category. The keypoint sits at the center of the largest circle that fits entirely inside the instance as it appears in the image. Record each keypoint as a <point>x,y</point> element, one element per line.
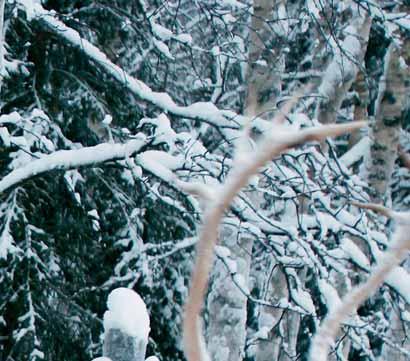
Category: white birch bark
<point>361,103</point>
<point>399,333</point>
<point>399,336</point>
<point>338,78</point>
<point>385,127</point>
<point>264,86</point>
<point>272,144</point>
<point>342,70</point>
<point>226,303</point>
<point>271,339</point>
<point>264,64</point>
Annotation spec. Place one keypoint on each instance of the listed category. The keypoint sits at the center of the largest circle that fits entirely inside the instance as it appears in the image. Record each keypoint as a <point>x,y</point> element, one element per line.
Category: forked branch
<point>271,146</point>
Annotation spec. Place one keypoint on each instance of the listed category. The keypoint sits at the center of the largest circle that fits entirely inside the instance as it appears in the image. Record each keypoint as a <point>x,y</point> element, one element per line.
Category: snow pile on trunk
<point>127,312</point>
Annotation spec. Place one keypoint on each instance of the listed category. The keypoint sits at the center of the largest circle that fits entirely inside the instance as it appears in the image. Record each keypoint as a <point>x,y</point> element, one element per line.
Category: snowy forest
<point>135,132</point>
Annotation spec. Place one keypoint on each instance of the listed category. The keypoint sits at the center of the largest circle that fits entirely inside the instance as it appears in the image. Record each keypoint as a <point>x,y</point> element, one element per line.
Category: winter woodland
<point>205,180</point>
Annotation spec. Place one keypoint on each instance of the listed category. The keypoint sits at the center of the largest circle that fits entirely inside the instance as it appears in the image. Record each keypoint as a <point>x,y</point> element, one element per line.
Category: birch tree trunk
<point>280,344</point>
<point>227,305</point>
<point>399,332</point>
<point>385,127</point>
<point>399,335</point>
<point>342,70</point>
<point>264,63</point>
<point>361,103</point>
<point>274,342</point>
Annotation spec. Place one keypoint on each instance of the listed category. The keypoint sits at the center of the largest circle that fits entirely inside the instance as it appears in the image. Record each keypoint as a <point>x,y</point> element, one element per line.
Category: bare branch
<point>375,207</point>
<point>405,157</point>
<point>400,245</point>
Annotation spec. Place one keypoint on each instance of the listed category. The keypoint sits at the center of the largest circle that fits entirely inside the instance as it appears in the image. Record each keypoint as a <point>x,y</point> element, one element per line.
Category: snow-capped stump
<point>126,326</point>
<point>152,358</point>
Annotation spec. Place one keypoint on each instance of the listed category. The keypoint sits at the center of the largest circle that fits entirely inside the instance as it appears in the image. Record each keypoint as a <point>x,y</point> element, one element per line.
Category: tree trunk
<point>270,339</point>
<point>264,62</point>
<point>385,127</point>
<point>361,103</point>
<point>119,346</point>
<point>227,305</point>
<point>342,70</point>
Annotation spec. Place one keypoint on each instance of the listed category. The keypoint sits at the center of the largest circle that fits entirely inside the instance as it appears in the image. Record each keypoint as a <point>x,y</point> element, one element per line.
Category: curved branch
<point>398,250</point>
<point>273,145</point>
<point>376,208</point>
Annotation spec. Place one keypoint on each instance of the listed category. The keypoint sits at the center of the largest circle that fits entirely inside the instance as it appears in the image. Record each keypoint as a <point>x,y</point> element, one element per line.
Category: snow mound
<point>152,358</point>
<point>127,312</point>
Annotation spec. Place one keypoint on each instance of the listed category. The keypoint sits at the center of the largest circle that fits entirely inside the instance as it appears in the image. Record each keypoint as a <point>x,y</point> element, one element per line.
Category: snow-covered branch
<point>204,111</point>
<point>68,159</point>
<point>281,139</point>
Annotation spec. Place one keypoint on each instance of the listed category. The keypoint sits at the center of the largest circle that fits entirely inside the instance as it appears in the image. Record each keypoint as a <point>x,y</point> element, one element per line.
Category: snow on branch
<point>398,250</point>
<point>278,140</point>
<point>68,159</point>
<point>205,111</point>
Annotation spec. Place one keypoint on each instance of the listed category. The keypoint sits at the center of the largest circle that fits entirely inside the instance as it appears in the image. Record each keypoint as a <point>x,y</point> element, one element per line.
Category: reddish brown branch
<point>404,157</point>
<point>375,207</point>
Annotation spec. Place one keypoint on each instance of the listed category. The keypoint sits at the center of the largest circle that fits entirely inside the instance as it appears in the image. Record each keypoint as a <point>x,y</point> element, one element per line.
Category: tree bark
<point>226,303</point>
<point>264,63</point>
<point>342,70</point>
<point>385,127</point>
<point>268,345</point>
<point>119,346</point>
<point>361,103</point>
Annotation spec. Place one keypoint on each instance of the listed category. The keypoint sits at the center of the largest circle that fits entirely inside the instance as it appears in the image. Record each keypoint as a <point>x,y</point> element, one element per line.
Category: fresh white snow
<point>128,313</point>
<point>66,159</point>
